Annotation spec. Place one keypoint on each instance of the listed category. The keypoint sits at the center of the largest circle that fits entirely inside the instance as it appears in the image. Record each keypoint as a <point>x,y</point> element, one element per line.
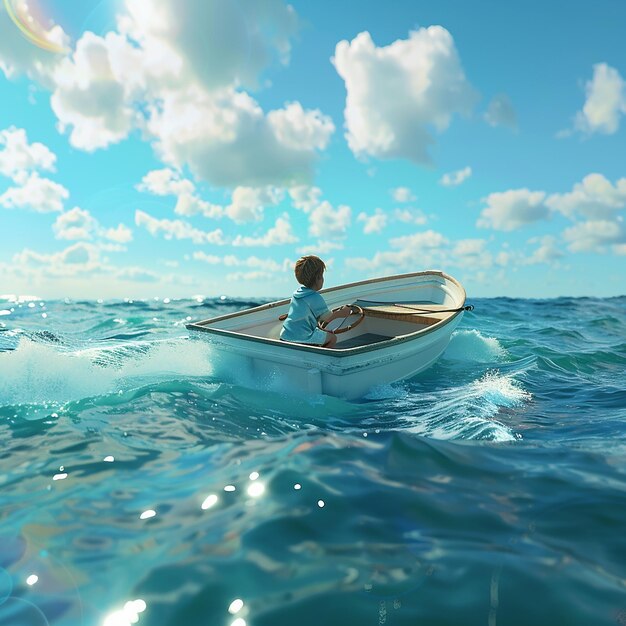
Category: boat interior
<point>380,323</point>
<point>392,308</point>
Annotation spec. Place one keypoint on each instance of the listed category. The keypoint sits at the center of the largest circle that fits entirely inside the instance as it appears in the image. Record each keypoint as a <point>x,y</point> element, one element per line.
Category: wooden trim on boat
<point>337,352</point>
<point>271,305</point>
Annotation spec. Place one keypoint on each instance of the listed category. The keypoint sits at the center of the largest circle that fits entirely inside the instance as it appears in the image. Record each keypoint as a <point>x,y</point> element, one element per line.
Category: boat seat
<point>361,340</point>
<point>403,313</point>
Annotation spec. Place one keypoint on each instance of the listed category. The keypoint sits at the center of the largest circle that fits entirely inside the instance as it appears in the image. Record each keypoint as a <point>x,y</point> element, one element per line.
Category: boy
<point>308,307</point>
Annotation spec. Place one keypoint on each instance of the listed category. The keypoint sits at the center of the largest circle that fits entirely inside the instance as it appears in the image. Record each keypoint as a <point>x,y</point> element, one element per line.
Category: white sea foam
<point>471,345</point>
<point>469,411</point>
<point>40,373</point>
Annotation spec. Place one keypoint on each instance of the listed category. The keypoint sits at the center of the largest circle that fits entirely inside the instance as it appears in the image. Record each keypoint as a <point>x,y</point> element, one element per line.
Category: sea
<point>143,481</point>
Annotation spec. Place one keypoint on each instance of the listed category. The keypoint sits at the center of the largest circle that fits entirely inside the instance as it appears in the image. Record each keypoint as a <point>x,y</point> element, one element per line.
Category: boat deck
<point>365,339</point>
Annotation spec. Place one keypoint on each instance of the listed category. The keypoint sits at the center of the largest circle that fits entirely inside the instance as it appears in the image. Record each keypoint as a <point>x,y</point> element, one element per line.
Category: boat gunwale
<point>337,351</point>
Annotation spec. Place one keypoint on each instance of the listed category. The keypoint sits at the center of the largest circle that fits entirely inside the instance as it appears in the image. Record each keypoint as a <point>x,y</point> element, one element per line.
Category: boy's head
<point>308,269</point>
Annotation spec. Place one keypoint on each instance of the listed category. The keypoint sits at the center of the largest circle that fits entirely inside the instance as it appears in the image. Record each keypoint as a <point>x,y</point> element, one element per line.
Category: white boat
<point>406,325</point>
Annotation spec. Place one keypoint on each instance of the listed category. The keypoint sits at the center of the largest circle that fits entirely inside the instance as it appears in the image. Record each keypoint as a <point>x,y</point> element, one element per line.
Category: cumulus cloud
<point>326,221</point>
<point>80,224</point>
<point>162,73</point>
<point>35,193</point>
<point>453,179</point>
<point>177,229</point>
<point>422,249</point>
<point>596,236</point>
<point>547,251</point>
<point>121,234</point>
<point>226,139</point>
<point>17,156</point>
<point>402,194</point>
<point>472,253</point>
<point>165,182</point>
<point>410,216</point>
<point>279,234</point>
<point>605,102</point>
<point>230,260</point>
<point>78,258</point>
<point>89,97</point>
<point>75,224</point>
<point>305,198</point>
<point>513,209</point>
<point>500,112</point>
<point>323,246</point>
<point>396,93</point>
<point>594,197</point>
<point>248,203</point>
<point>218,43</point>
<point>373,223</point>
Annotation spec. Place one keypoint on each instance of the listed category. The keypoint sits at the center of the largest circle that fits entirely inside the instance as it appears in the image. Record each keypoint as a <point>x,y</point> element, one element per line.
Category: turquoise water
<point>141,479</point>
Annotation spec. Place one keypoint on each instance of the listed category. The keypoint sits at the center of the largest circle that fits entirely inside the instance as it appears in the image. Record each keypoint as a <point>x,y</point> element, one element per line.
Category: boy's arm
<point>343,311</point>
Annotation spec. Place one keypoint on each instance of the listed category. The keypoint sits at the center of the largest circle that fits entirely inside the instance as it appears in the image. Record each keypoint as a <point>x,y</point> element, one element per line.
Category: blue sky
<point>201,147</point>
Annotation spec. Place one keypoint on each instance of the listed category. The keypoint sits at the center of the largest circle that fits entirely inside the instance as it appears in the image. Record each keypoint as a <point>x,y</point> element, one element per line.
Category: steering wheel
<point>355,310</point>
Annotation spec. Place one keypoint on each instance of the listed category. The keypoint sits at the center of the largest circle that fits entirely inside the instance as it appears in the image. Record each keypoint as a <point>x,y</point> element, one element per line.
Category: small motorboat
<point>401,325</point>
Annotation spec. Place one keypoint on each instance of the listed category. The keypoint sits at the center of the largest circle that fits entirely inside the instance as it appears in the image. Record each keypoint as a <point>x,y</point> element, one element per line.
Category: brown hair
<point>308,269</point>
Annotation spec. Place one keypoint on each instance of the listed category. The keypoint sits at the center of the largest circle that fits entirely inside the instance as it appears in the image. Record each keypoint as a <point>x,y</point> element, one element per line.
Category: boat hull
<point>246,343</point>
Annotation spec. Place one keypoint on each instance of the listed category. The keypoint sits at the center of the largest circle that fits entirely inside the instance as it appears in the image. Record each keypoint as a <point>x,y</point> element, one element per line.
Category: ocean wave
<point>469,411</point>
<point>472,345</point>
<point>38,372</point>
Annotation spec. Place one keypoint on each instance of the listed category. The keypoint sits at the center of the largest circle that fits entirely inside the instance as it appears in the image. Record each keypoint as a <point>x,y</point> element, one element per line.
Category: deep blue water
<point>489,490</point>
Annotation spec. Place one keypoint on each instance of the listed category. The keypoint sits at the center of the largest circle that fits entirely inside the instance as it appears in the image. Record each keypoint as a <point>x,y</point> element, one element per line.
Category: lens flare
<point>30,19</point>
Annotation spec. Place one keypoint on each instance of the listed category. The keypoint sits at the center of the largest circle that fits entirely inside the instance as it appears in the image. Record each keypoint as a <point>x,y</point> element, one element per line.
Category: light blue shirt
<point>301,324</point>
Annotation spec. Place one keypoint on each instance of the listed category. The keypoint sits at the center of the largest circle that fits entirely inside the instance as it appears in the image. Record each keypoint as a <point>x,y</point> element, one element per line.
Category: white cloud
<point>396,93</point>
<point>595,236</point>
<point>323,246</point>
<point>500,112</point>
<point>305,198</point>
<point>226,139</point>
<point>17,156</point>
<point>217,43</point>
<point>325,221</point>
<point>402,194</point>
<point>248,203</point>
<point>267,265</point>
<point>90,96</point>
<point>120,234</point>
<point>605,103</point>
<point>279,234</point>
<point>453,179</point>
<point>165,182</point>
<point>594,197</point>
<point>513,209</point>
<point>546,252</point>
<point>79,258</point>
<point>410,216</point>
<point>423,249</point>
<point>80,224</point>
<point>75,224</point>
<point>472,253</point>
<point>34,192</point>
<point>294,127</point>
<point>373,223</point>
<point>177,229</point>
<point>176,73</point>
<point>193,205</point>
